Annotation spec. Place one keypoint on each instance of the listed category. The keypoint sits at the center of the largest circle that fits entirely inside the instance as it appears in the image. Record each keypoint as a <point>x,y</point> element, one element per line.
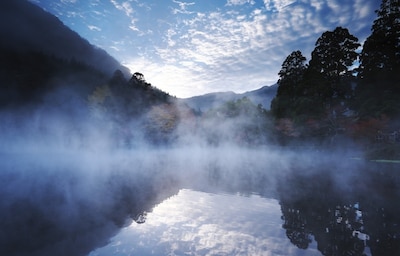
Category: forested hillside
<point>345,88</point>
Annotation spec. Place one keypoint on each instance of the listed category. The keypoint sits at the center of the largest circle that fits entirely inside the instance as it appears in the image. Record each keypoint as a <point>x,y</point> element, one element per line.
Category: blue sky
<point>194,47</point>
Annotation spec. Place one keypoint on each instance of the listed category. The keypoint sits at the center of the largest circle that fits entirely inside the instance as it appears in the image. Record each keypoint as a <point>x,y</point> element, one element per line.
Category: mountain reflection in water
<point>200,223</point>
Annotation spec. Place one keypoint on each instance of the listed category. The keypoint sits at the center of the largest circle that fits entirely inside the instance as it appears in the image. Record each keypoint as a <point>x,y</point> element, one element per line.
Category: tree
<point>291,75</point>
<point>381,51</point>
<point>139,76</point>
<point>378,90</point>
<point>334,54</point>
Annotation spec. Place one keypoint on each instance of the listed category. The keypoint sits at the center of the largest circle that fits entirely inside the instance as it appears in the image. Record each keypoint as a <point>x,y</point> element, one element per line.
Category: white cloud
<point>169,34</point>
<point>127,8</point>
<point>73,14</point>
<point>94,28</point>
<point>239,2</point>
<point>98,13</point>
<point>317,4</point>
<point>277,5</point>
<point>339,13</point>
<point>115,48</point>
<point>335,6</point>
<point>124,6</point>
<point>362,10</point>
<point>133,26</point>
<point>182,7</point>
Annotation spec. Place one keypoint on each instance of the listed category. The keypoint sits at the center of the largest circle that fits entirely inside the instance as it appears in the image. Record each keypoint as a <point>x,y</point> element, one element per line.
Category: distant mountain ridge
<point>26,27</point>
<point>202,103</point>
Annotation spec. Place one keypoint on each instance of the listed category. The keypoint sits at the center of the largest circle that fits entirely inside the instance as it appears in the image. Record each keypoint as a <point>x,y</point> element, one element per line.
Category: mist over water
<point>68,182</point>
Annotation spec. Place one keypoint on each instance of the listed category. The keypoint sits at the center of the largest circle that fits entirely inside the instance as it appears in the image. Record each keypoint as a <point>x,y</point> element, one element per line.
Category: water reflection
<point>327,211</point>
<point>200,223</point>
<point>55,206</point>
<point>73,205</point>
<point>356,216</point>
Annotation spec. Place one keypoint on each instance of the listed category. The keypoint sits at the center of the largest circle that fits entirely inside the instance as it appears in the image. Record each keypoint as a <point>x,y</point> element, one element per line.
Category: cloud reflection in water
<point>199,223</point>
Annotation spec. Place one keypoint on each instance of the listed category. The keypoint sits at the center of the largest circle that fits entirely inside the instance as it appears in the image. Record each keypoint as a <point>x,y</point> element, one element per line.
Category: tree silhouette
<point>379,72</point>
<point>334,53</point>
<point>291,75</point>
<point>328,73</point>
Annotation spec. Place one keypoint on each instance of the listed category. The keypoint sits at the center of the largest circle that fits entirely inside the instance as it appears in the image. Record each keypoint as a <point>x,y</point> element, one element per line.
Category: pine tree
<point>329,67</point>
<point>381,51</point>
<point>291,75</point>
<point>378,89</point>
<point>334,52</point>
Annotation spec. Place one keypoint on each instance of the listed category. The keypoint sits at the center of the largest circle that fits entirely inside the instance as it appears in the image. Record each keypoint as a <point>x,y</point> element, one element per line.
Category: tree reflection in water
<point>63,209</point>
<point>356,215</point>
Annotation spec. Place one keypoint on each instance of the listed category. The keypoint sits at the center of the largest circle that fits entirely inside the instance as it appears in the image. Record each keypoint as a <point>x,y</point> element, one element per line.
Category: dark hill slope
<point>40,55</point>
<point>26,27</point>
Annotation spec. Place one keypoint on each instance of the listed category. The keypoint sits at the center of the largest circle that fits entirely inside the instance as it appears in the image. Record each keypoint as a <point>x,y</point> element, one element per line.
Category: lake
<point>212,203</point>
<point>315,213</point>
<point>201,223</point>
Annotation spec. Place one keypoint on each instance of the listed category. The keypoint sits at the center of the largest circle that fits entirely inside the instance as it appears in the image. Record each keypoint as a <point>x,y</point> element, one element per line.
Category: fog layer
<point>65,180</point>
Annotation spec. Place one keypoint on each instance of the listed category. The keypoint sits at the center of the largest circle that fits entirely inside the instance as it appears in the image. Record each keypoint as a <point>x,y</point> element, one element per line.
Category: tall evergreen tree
<point>327,80</point>
<point>329,67</point>
<point>291,75</point>
<point>378,91</point>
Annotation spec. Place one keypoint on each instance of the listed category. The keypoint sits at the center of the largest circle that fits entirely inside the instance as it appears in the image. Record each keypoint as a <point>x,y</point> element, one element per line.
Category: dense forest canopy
<point>346,85</point>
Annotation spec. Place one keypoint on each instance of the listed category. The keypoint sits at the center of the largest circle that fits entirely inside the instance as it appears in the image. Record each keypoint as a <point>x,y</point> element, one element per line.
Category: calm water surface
<point>200,223</point>
<point>131,205</point>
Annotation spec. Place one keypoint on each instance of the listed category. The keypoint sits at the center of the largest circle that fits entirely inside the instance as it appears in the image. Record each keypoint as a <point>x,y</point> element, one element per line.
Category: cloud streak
<point>239,2</point>
<point>183,7</point>
<point>124,7</point>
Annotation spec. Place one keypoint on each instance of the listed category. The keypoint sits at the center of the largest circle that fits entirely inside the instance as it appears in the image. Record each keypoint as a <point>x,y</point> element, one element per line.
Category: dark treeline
<point>342,89</point>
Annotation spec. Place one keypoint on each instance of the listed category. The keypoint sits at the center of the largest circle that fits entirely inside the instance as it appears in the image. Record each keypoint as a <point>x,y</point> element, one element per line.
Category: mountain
<point>202,103</point>
<point>40,55</point>
<point>262,96</point>
<point>26,27</point>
